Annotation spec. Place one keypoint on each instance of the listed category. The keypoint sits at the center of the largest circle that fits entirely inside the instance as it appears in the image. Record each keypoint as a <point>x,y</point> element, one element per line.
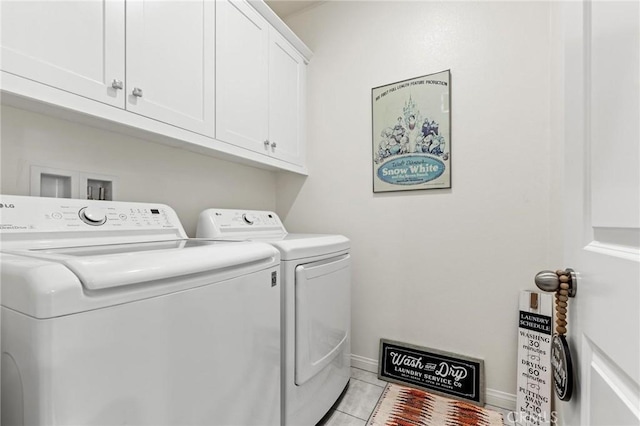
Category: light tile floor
<point>356,404</point>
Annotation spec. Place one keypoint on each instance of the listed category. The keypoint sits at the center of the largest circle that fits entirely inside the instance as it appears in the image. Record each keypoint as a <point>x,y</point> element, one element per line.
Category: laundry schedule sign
<point>535,324</point>
<point>435,371</point>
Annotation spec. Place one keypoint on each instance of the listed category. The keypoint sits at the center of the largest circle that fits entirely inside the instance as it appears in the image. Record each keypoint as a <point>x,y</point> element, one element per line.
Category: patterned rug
<point>403,406</point>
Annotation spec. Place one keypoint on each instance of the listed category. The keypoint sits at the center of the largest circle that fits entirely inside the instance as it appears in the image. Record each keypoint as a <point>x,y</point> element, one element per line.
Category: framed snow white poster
<point>412,134</point>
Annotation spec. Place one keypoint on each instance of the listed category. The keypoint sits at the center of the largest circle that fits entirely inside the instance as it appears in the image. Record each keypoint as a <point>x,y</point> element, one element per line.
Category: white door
<point>76,46</point>
<point>602,209</point>
<point>286,100</point>
<point>242,43</point>
<point>170,62</point>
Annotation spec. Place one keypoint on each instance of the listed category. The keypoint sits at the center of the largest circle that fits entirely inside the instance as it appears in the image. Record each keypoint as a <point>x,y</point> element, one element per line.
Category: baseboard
<point>363,363</point>
<point>494,397</point>
<point>500,399</point>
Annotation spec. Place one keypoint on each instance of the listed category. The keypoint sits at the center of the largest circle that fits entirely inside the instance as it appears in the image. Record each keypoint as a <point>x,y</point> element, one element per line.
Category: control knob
<point>248,218</point>
<point>92,216</point>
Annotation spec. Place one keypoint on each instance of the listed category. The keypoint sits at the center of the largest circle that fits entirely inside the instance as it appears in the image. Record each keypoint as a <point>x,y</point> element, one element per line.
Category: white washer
<point>316,307</point>
<point>110,315</point>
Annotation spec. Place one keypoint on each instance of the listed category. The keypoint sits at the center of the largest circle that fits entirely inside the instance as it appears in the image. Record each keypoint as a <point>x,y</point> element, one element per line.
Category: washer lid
<point>115,265</point>
<point>298,246</point>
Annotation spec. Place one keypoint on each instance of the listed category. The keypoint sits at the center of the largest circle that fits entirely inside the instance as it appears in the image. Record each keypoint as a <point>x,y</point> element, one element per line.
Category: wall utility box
<point>62,183</point>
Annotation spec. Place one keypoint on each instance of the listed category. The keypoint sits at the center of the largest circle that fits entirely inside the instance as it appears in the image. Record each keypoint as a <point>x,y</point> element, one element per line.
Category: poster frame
<point>412,153</point>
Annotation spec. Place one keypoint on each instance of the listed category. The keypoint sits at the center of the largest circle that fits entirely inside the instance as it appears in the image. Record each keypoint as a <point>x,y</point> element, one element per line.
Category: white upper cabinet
<point>220,77</point>
<point>76,46</point>
<point>287,77</point>
<point>79,47</point>
<point>260,81</point>
<point>170,62</point>
<point>242,62</point>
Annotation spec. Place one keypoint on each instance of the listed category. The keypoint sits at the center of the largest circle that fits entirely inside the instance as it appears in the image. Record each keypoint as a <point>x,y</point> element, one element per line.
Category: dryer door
<point>323,314</point>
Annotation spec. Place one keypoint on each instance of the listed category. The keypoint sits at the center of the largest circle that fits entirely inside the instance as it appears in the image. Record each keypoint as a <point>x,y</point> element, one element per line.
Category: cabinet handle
<point>273,145</point>
<point>137,92</point>
<point>266,143</point>
<point>117,84</point>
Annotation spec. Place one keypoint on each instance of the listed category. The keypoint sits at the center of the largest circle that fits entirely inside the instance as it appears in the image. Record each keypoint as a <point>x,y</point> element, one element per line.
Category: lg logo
<point>7,206</point>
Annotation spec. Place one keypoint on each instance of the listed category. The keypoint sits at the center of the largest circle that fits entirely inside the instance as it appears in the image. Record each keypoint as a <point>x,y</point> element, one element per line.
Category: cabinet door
<point>170,62</point>
<point>286,100</point>
<point>76,46</point>
<point>242,42</point>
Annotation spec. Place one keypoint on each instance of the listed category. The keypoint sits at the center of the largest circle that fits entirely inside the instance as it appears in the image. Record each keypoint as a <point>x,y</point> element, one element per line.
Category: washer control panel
<point>39,214</point>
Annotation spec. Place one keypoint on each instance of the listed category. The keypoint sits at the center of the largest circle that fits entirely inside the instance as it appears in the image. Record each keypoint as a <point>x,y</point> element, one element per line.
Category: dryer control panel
<point>216,223</point>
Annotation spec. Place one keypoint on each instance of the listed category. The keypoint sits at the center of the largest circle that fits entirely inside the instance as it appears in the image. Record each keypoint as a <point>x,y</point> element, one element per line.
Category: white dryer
<point>316,308</point>
<point>110,315</point>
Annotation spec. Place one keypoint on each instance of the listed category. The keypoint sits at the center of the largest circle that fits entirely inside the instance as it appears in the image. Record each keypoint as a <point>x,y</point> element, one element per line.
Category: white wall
<point>146,171</point>
<point>439,268</point>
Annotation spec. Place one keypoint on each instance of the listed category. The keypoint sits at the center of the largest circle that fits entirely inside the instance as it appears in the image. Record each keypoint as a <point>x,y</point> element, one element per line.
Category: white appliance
<point>316,307</point>
<point>110,315</point>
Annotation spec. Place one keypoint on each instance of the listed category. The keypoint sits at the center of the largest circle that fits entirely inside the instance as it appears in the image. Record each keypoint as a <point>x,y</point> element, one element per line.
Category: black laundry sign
<point>562,367</point>
<point>535,322</point>
<point>436,371</point>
